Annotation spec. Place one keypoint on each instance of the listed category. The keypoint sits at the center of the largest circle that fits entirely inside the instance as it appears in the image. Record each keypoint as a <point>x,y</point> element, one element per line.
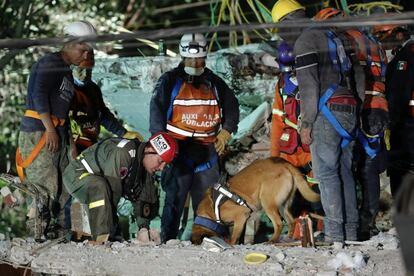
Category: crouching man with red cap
<point>116,168</point>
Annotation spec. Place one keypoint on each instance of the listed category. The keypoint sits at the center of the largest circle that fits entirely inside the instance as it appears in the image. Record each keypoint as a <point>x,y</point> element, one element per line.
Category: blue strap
<point>345,135</point>
<point>289,88</point>
<point>332,51</point>
<point>201,167</point>
<point>339,58</point>
<point>366,142</point>
<point>212,225</point>
<point>174,94</point>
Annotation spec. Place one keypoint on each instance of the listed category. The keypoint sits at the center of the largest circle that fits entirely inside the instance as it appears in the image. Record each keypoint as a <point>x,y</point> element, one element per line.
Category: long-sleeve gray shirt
<point>315,72</point>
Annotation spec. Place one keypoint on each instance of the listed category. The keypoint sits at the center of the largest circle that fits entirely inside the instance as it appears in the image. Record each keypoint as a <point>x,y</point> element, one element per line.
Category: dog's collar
<point>211,225</point>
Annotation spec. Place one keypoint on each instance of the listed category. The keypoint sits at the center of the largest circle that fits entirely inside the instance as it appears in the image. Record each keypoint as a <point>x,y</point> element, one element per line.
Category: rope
<point>367,7</point>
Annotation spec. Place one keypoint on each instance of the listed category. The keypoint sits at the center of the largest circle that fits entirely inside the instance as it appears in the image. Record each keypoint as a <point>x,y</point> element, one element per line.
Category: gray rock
<point>275,267</point>
<point>280,256</point>
<point>20,255</point>
<point>326,273</point>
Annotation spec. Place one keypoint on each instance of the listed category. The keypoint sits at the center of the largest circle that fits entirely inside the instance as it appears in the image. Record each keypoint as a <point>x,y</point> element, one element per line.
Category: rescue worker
<point>399,87</point>
<point>197,108</point>
<point>113,168</point>
<point>88,110</point>
<point>285,139</point>
<point>370,154</point>
<point>44,130</point>
<point>328,118</point>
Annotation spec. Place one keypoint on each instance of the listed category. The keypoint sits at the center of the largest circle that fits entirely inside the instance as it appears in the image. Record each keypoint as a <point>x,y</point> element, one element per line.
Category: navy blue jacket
<point>50,90</point>
<point>160,101</point>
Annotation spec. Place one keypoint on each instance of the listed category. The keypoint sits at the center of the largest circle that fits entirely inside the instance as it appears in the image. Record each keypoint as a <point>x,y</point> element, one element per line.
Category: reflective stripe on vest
<point>97,203</point>
<point>374,93</point>
<point>188,133</point>
<point>278,112</point>
<point>86,166</point>
<point>193,112</point>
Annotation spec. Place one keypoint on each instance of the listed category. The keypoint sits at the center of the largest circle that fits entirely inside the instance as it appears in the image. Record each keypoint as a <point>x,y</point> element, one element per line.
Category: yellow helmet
<point>283,7</point>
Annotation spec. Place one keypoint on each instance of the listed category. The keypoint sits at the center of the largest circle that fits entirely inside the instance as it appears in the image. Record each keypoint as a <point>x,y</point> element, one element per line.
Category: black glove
<point>374,121</point>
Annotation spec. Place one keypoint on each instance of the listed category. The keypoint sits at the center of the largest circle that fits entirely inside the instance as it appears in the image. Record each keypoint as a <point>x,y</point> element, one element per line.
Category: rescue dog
<point>266,184</point>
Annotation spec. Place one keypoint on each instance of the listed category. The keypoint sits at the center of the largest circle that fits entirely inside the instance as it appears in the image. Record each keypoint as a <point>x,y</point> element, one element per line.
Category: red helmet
<point>382,32</point>
<point>165,146</point>
<point>327,13</point>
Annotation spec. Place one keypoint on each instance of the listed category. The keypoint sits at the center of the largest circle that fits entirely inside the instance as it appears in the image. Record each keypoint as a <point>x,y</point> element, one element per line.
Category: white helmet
<point>193,45</point>
<point>79,28</point>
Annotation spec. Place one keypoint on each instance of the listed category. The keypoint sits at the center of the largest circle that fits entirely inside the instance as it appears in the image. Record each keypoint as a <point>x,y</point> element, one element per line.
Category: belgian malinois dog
<point>267,184</point>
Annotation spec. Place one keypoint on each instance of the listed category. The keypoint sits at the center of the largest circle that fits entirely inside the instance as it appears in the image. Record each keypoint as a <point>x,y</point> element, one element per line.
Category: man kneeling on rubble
<point>114,168</point>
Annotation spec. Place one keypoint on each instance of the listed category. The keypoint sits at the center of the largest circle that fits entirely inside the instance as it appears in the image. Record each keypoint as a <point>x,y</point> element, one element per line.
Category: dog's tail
<point>303,186</point>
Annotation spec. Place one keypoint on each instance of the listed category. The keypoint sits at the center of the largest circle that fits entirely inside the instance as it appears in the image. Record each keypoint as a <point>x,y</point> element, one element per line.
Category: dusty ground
<point>379,256</point>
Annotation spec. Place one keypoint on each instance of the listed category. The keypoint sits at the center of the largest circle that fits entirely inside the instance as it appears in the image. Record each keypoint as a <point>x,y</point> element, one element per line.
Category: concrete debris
<point>20,255</point>
<point>327,273</point>
<point>5,247</point>
<point>182,258</point>
<point>280,256</point>
<point>173,242</point>
<point>252,123</point>
<point>354,260</point>
<point>275,267</point>
<point>215,244</point>
<point>117,246</point>
<point>384,241</point>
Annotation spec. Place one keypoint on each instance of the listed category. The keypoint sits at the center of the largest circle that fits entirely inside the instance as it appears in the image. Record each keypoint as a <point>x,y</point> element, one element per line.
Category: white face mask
<point>194,71</point>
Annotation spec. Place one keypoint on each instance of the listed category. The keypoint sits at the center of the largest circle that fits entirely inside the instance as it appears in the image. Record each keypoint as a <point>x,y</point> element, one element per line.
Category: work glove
<point>221,140</point>
<point>133,135</point>
<point>387,135</point>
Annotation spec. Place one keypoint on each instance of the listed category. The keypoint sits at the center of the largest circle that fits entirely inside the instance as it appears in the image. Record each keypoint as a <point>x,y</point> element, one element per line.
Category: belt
<point>343,100</point>
<point>342,108</point>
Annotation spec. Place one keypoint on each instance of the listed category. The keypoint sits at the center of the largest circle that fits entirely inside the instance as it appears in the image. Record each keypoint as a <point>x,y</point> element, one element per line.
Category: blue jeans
<point>332,166</point>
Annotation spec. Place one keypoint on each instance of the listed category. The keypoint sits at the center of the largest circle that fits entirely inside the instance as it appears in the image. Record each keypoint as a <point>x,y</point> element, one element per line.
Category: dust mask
<point>194,71</point>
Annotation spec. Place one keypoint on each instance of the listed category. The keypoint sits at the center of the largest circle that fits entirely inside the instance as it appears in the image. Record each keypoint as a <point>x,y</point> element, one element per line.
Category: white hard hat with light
<point>193,45</point>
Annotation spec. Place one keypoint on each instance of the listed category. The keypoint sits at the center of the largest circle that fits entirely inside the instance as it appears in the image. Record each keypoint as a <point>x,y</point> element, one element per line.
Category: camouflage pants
<point>45,174</point>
